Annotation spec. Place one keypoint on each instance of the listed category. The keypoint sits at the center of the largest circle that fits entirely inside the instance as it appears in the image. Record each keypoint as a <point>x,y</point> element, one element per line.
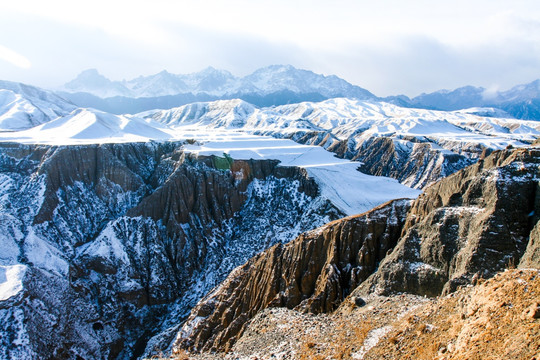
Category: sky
<point>389,47</point>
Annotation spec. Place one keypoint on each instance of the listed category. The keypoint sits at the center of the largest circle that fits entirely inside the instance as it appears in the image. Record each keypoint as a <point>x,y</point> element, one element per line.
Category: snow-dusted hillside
<point>89,126</point>
<point>23,106</point>
<point>346,117</point>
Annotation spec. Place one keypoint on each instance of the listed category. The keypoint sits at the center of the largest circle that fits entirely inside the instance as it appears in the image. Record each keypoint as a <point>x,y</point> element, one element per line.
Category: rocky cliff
<point>470,225</point>
<point>313,273</point>
<point>497,318</point>
<point>102,243</point>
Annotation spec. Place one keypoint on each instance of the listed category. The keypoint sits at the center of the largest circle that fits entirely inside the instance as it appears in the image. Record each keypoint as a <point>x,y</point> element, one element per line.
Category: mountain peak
<point>90,75</point>
<point>93,82</point>
<point>212,71</point>
<point>92,71</point>
<point>277,68</point>
<point>282,67</point>
<point>209,70</point>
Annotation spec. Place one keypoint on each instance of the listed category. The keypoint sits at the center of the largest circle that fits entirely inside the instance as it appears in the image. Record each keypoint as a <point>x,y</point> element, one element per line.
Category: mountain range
<point>278,85</point>
<point>387,139</point>
<point>226,229</point>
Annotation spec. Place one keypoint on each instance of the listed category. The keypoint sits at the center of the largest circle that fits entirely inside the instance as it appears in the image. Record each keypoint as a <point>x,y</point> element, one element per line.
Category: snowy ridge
<point>283,84</point>
<point>89,126</point>
<point>346,117</point>
<point>23,106</point>
<point>219,114</point>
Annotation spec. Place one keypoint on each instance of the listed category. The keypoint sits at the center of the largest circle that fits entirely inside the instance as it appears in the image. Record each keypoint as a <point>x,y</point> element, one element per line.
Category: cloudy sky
<point>388,46</point>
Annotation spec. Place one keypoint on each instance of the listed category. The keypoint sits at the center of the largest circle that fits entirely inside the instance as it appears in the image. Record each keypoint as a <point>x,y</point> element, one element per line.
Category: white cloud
<point>14,58</point>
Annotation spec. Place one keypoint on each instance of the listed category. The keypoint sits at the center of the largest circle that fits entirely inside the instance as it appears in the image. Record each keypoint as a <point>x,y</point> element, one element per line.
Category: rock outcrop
<point>473,223</point>
<point>497,318</point>
<point>313,273</point>
<point>101,243</point>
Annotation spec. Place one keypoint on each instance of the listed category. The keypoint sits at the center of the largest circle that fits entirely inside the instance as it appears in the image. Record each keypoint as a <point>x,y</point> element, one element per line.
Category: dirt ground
<point>497,318</point>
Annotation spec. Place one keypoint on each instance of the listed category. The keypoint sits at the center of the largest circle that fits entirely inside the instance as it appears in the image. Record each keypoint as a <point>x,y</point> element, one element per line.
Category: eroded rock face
<point>531,258</point>
<point>102,242</point>
<point>313,273</point>
<point>474,223</point>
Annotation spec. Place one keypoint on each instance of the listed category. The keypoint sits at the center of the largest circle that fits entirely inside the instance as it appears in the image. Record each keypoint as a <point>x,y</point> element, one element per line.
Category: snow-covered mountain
<point>220,83</point>
<point>90,126</point>
<point>91,81</point>
<point>278,85</point>
<point>521,101</point>
<point>460,98</point>
<point>345,117</point>
<point>521,92</point>
<point>368,131</point>
<point>23,106</point>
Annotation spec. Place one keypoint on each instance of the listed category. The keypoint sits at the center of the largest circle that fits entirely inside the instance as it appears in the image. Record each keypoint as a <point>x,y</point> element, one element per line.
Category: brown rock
<point>476,221</point>
<point>534,311</point>
<point>313,273</point>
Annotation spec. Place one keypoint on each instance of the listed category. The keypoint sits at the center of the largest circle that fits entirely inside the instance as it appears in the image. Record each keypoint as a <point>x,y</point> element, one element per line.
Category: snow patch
<point>421,266</point>
<point>457,210</point>
<point>371,340</point>
<point>107,246</point>
<point>11,280</point>
<point>43,255</point>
